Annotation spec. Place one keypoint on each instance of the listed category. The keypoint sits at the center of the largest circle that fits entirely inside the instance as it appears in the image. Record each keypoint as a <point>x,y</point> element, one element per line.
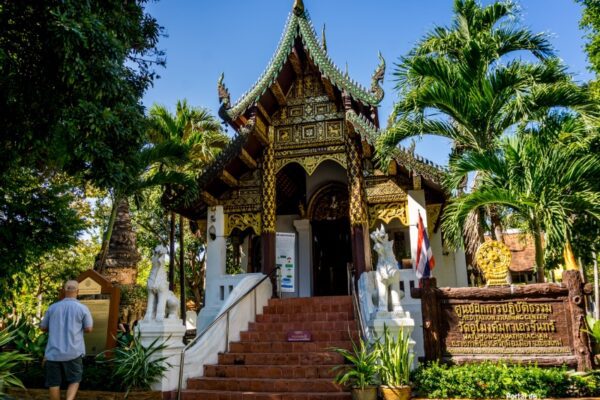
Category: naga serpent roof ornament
<point>224,98</point>
<point>377,78</point>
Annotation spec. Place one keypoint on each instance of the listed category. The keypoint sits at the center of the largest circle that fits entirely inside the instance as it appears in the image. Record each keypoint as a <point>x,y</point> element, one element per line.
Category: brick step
<point>264,385</point>
<point>314,358</point>
<point>309,308</point>
<point>305,316</point>
<point>307,301</point>
<point>226,395</point>
<point>271,371</point>
<point>286,347</point>
<point>317,336</point>
<point>302,326</point>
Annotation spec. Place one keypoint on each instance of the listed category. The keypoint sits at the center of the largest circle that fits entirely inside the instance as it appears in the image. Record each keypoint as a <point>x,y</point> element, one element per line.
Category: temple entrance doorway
<point>331,246</point>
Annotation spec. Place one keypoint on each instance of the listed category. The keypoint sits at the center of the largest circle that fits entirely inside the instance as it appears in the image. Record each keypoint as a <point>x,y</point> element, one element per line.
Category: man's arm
<point>45,320</point>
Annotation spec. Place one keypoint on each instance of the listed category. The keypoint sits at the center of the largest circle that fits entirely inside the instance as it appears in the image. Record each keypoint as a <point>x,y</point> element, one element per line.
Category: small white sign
<point>285,251</point>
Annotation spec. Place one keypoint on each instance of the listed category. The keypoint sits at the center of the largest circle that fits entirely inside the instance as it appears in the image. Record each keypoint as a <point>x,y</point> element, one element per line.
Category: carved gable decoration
<point>309,118</point>
<point>384,189</point>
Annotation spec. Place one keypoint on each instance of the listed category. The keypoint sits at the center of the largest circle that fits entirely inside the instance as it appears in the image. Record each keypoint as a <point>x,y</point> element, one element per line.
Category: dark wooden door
<point>331,253</point>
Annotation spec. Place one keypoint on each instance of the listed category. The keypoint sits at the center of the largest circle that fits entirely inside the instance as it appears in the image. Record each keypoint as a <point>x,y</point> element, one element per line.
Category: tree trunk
<point>172,253</point>
<point>596,288</point>
<point>496,224</point>
<point>539,252</point>
<point>182,267</point>
<point>101,263</point>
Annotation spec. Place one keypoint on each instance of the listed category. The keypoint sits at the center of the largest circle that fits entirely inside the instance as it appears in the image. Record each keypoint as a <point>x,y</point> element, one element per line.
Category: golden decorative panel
<point>310,162</point>
<point>358,212</point>
<point>243,222</point>
<point>433,213</point>
<point>384,189</point>
<point>493,258</point>
<point>268,186</point>
<point>387,212</point>
<point>242,200</point>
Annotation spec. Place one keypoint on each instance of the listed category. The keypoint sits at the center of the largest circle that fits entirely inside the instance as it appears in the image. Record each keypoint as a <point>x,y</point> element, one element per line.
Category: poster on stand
<point>285,251</point>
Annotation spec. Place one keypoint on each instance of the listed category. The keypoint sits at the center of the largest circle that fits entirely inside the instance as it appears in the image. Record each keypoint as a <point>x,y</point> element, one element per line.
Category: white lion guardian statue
<point>387,274</point>
<point>160,298</point>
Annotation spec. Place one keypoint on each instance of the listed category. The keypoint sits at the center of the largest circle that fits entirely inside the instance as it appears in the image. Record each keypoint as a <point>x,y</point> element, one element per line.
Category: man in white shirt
<point>66,321</point>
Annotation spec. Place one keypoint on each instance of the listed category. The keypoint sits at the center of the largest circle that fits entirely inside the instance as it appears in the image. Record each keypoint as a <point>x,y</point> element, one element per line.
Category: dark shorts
<point>71,371</point>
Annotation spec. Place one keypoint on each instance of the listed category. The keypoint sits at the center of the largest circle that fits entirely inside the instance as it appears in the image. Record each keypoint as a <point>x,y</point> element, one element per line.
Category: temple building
<point>298,185</point>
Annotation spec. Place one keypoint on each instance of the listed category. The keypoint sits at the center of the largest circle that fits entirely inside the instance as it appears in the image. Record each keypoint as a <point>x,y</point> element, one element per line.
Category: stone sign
<point>539,323</point>
<point>102,299</point>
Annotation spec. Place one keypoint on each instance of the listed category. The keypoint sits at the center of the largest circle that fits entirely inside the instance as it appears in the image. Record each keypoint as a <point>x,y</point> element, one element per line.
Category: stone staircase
<point>263,365</point>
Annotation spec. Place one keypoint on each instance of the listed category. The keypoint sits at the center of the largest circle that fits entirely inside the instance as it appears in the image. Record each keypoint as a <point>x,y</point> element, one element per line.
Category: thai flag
<point>425,261</point>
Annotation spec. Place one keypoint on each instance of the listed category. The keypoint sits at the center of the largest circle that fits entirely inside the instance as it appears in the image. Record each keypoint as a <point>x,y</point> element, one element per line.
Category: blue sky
<point>238,37</point>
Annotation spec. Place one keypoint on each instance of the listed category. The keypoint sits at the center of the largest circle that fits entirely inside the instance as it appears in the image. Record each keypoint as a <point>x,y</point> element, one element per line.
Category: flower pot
<point>395,392</point>
<point>368,393</point>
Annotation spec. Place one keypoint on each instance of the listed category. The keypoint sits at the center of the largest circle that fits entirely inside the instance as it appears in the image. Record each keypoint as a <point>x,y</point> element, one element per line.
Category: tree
<point>544,173</point>
<point>72,74</point>
<point>590,21</point>
<point>202,133</point>
<point>465,83</point>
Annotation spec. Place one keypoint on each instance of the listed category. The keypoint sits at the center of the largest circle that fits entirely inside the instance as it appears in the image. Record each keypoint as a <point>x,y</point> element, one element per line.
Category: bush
<point>489,380</point>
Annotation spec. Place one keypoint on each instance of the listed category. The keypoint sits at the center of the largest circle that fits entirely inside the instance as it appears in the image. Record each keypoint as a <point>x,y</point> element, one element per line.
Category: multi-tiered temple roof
<point>299,53</point>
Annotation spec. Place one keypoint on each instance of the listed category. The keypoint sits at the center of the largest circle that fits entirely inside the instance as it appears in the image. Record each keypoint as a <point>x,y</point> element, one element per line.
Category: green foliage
<point>36,217</point>
<point>9,360</point>
<point>593,330</point>
<point>73,74</point>
<point>395,358</point>
<point>28,338</point>
<point>488,380</point>
<point>590,21</point>
<point>546,174</point>
<point>32,289</point>
<point>363,368</point>
<point>133,366</point>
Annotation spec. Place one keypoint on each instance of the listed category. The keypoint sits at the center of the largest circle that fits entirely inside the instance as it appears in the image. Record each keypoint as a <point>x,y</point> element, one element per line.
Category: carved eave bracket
<point>377,79</point>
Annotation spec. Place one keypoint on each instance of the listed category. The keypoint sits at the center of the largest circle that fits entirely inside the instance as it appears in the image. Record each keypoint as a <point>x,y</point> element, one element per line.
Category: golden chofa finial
<point>298,7</point>
<point>323,39</point>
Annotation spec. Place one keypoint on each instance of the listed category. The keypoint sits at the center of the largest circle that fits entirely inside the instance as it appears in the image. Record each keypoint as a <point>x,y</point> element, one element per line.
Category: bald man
<point>65,321</point>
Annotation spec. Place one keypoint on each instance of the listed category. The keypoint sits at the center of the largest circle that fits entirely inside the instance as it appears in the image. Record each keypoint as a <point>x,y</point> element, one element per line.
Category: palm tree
<point>464,83</point>
<point>198,130</point>
<point>544,174</point>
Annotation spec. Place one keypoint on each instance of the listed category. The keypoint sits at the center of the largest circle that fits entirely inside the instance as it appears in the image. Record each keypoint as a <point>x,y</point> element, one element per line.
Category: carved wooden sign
<point>539,323</point>
<point>102,299</point>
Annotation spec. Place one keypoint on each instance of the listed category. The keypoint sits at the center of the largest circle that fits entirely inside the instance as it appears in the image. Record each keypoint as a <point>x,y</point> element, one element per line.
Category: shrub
<point>489,380</point>
<point>9,361</point>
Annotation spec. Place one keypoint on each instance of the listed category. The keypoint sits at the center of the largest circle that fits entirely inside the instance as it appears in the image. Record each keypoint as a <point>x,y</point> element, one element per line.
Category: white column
<point>304,257</point>
<point>215,265</point>
<point>460,264</point>
<point>416,206</point>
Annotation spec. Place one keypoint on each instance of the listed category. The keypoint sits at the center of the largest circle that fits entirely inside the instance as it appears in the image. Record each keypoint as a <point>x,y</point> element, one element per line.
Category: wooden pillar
<point>269,208</point>
<point>430,309</point>
<point>581,340</point>
<point>359,229</point>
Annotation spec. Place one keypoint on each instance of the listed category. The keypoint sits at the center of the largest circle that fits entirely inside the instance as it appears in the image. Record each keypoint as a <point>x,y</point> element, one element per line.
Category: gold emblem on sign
<point>493,258</point>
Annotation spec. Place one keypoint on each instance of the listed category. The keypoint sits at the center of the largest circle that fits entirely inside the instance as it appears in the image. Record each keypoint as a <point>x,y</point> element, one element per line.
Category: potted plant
<point>394,368</point>
<point>360,370</point>
<point>137,367</point>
